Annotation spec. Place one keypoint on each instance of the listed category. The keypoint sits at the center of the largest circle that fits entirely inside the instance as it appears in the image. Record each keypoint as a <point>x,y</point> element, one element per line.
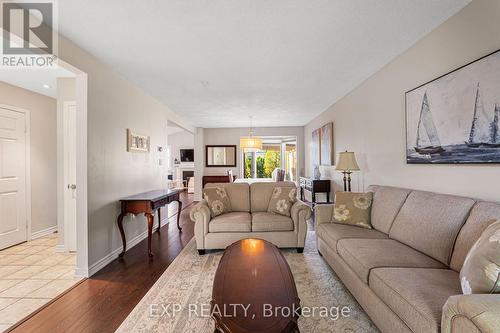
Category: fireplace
<point>187,174</point>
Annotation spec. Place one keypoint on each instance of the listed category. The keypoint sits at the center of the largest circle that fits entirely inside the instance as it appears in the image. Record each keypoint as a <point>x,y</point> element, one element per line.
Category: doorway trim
<point>82,253</point>
<point>66,182</point>
<point>27,130</point>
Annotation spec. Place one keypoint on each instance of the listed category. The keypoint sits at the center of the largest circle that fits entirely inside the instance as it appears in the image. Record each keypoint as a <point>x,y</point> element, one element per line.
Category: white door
<point>12,178</point>
<point>69,119</point>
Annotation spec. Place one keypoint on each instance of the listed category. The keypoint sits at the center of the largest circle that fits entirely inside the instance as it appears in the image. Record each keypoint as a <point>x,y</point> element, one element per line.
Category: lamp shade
<point>250,143</point>
<point>347,162</point>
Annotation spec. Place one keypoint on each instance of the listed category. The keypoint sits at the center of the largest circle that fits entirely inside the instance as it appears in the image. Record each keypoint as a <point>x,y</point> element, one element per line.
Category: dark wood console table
<point>314,186</point>
<point>147,203</point>
<point>215,179</point>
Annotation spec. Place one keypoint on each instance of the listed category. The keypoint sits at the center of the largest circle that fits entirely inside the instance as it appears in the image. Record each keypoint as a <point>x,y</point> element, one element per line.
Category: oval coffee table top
<point>254,290</point>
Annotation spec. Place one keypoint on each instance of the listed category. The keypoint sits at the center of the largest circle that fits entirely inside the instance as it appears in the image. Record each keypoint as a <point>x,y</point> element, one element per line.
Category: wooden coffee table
<point>254,290</point>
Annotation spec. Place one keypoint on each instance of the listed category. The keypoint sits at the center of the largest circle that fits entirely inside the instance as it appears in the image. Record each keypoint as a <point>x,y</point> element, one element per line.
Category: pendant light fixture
<point>250,143</point>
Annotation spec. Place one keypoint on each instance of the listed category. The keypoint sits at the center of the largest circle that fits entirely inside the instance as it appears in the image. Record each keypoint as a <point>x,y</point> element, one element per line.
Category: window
<point>274,154</point>
<point>291,161</point>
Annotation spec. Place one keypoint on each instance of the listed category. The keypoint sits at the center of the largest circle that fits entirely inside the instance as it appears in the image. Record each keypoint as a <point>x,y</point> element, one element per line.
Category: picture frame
<point>327,156</point>
<point>217,156</point>
<point>316,147</point>
<point>137,142</point>
<point>454,119</point>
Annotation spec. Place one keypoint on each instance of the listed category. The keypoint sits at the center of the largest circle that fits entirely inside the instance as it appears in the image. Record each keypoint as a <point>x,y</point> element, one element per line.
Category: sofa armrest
<point>323,214</point>
<point>300,213</point>
<point>200,215</point>
<point>471,313</point>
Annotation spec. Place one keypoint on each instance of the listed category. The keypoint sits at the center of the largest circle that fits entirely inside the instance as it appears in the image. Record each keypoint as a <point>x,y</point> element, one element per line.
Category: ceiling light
<point>250,143</point>
<point>46,86</point>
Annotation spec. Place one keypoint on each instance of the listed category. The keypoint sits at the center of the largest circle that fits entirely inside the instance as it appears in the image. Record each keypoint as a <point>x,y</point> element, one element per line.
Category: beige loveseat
<point>405,271</point>
<point>250,219</point>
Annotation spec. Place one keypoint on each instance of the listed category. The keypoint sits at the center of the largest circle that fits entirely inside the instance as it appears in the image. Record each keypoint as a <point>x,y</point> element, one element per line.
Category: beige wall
<point>178,141</point>
<point>43,152</point>
<point>199,165</point>
<point>114,105</point>
<point>231,136</point>
<point>370,120</point>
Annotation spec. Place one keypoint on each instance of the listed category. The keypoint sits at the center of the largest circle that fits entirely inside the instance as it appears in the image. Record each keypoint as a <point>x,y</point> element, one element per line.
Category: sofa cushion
<point>430,223</point>
<point>482,215</point>
<point>480,273</point>
<point>238,193</point>
<point>260,194</point>
<point>264,221</point>
<point>217,200</point>
<point>282,200</point>
<point>231,222</point>
<point>416,295</point>
<point>331,233</point>
<point>353,208</point>
<point>363,255</point>
<point>387,201</point>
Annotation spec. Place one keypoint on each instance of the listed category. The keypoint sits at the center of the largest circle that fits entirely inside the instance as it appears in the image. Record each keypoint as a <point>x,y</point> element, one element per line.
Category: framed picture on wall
<point>454,119</point>
<point>326,141</point>
<point>315,147</point>
<point>137,142</point>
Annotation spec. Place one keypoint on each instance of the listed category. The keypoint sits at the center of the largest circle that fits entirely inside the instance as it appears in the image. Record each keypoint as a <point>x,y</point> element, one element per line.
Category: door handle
<point>71,186</point>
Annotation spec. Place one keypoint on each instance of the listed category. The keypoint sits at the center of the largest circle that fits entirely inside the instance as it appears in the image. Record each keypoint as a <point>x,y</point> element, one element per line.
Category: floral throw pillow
<point>480,273</point>
<point>282,200</point>
<point>217,200</point>
<point>353,208</point>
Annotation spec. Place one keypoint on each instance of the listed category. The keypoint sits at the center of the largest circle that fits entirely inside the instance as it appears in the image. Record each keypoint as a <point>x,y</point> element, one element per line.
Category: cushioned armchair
<point>250,219</point>
<point>471,314</point>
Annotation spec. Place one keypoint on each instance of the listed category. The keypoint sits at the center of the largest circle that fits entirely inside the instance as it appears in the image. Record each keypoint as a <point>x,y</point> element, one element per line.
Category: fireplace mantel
<point>184,165</point>
<point>179,169</point>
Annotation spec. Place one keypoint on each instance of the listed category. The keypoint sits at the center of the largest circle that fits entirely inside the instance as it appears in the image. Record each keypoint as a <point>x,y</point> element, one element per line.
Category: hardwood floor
<point>102,302</point>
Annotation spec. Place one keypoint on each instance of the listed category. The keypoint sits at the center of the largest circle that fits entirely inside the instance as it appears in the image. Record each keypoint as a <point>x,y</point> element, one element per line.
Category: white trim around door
<point>27,151</point>
<point>69,174</point>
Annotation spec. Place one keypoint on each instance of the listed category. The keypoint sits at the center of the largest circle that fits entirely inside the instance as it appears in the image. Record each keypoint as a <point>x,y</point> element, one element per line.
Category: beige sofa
<point>405,271</point>
<point>249,219</point>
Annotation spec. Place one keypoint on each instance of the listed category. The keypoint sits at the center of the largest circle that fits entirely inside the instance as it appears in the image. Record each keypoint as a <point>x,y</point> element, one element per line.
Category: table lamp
<point>347,164</point>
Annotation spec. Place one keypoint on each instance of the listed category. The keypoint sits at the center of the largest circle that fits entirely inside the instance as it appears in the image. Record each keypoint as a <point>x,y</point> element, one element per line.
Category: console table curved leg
<point>179,215</point>
<point>151,219</point>
<point>122,233</point>
<point>159,219</point>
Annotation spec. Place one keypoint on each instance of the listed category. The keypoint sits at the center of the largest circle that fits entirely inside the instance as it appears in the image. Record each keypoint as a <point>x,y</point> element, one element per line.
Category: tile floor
<point>31,274</point>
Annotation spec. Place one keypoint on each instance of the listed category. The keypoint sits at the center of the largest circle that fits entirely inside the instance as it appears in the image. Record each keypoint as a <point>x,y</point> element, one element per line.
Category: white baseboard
<point>81,273</point>
<point>44,232</point>
<point>60,248</point>
<point>100,264</point>
<point>164,221</point>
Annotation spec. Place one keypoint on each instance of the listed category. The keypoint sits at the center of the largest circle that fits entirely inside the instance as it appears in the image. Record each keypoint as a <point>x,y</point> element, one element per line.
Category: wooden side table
<point>314,186</point>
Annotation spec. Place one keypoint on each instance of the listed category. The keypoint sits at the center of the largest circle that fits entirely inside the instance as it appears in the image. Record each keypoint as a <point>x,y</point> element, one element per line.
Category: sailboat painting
<point>455,119</point>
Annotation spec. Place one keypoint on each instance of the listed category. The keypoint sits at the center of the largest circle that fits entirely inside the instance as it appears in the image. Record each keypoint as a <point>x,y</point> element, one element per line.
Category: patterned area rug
<point>179,301</point>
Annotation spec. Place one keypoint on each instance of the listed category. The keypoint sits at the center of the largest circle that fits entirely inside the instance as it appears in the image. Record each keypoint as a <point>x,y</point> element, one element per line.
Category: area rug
<point>180,299</point>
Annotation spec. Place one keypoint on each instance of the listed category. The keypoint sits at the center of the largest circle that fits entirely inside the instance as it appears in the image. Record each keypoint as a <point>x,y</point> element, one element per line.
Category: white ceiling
<point>35,79</point>
<point>39,80</point>
<point>282,61</point>
<point>174,130</point>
